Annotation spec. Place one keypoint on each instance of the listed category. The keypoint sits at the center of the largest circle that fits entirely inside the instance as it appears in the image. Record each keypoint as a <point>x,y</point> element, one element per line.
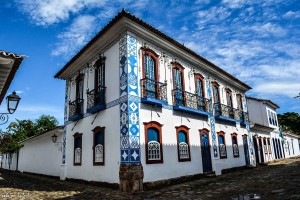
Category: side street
<point>277,180</point>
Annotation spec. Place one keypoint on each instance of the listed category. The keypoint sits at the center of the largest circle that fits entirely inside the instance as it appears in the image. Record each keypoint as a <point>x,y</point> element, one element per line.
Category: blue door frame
<point>246,150</point>
<point>205,151</point>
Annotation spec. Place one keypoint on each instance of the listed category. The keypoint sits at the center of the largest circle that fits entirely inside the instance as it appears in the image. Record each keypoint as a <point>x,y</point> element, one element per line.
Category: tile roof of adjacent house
<point>264,101</point>
<point>51,130</point>
<point>9,65</point>
<point>147,26</point>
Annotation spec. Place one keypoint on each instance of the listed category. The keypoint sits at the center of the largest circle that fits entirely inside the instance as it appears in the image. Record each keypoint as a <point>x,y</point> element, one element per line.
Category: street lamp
<point>12,102</point>
<point>54,138</point>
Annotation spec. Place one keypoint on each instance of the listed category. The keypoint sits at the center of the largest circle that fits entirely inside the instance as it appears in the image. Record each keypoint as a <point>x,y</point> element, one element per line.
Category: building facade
<point>37,154</point>
<point>137,101</point>
<point>269,142</point>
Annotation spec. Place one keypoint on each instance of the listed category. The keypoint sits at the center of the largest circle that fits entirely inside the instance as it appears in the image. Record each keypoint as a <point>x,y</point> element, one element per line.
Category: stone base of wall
<point>234,169</point>
<point>174,181</point>
<point>131,178</point>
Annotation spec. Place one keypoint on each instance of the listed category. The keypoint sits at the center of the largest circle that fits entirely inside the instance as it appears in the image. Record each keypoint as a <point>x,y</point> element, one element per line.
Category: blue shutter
<point>182,137</point>
<point>153,135</point>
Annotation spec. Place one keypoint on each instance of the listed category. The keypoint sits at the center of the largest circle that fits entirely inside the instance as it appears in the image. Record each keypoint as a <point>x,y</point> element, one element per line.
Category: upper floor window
<point>77,148</point>
<point>229,97</point>
<point>178,76</point>
<point>216,92</point>
<point>235,147</point>
<point>153,141</point>
<point>183,145</point>
<point>199,85</point>
<point>150,64</point>
<point>178,84</point>
<point>79,87</point>
<point>272,118</point>
<point>100,73</point>
<point>222,144</point>
<point>98,147</point>
<point>239,100</point>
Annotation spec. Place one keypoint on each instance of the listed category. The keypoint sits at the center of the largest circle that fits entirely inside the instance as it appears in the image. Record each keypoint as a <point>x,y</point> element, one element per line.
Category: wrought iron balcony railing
<point>153,89</point>
<point>190,100</point>
<point>76,109</point>
<point>226,111</point>
<point>96,99</point>
<point>244,117</point>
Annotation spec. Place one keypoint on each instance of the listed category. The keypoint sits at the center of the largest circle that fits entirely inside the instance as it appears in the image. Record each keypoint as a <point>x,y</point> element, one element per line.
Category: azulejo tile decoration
<point>129,109</point>
<point>212,123</point>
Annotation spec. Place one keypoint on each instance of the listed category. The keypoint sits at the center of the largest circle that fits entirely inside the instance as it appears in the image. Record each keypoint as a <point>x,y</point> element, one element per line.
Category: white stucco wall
<point>291,146</point>
<point>258,134</point>
<point>108,118</point>
<point>9,161</point>
<point>40,155</point>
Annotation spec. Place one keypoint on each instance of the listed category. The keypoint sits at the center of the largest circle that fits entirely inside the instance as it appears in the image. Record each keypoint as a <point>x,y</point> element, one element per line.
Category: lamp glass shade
<point>12,102</point>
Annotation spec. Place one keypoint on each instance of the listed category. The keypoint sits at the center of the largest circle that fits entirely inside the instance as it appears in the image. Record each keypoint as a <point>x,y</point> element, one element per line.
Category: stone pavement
<point>279,180</point>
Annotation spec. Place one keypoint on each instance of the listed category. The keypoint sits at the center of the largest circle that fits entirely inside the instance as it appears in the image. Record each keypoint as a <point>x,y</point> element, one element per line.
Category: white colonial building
<point>268,141</point>
<point>141,107</point>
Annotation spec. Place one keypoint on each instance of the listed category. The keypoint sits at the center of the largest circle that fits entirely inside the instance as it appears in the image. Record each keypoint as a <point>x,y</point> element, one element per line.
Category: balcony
<point>76,110</point>
<point>244,117</point>
<point>153,92</point>
<point>191,103</point>
<point>96,100</point>
<point>226,113</point>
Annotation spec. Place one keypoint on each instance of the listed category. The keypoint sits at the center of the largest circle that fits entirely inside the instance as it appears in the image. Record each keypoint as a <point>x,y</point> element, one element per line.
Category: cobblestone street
<point>279,180</point>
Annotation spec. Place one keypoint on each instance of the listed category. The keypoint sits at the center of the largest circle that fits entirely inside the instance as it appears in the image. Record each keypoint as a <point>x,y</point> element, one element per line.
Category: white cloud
<point>291,14</point>
<point>47,12</point>
<point>288,89</point>
<point>77,35</point>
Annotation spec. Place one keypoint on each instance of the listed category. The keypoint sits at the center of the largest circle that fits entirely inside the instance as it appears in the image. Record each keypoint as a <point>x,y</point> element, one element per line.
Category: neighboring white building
<point>153,110</point>
<point>291,145</point>
<point>269,143</point>
<point>38,154</point>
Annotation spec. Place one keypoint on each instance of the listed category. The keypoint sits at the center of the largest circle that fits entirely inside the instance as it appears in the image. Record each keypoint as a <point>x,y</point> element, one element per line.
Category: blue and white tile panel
<point>65,126</point>
<point>129,109</point>
<point>212,122</point>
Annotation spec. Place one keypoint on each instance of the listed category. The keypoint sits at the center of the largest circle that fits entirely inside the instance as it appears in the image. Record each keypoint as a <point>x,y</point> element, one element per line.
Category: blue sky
<point>256,41</point>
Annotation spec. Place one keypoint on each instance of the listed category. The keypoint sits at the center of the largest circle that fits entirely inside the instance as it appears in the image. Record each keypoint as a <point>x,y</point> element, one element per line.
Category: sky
<point>256,41</point>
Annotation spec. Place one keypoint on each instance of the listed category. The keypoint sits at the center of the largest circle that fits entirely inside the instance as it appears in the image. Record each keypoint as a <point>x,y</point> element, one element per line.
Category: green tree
<point>45,122</point>
<point>22,129</point>
<point>290,121</point>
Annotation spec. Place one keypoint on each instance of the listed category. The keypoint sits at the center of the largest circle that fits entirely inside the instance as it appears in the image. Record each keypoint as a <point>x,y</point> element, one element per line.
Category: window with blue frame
<point>199,85</point>
<point>235,147</point>
<point>150,73</point>
<point>100,80</point>
<point>222,145</point>
<point>183,144</point>
<point>77,148</point>
<point>99,146</point>
<point>153,141</point>
<point>178,83</point>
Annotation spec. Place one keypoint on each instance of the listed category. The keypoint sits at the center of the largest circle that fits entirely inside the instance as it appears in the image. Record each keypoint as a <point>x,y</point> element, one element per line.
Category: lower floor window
<point>153,150</point>
<point>77,156</point>
<point>183,150</point>
<point>153,141</point>
<point>222,146</point>
<point>99,153</point>
<point>77,148</point>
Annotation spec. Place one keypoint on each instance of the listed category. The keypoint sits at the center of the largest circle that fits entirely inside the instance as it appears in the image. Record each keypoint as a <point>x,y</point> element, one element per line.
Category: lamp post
<point>12,102</point>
